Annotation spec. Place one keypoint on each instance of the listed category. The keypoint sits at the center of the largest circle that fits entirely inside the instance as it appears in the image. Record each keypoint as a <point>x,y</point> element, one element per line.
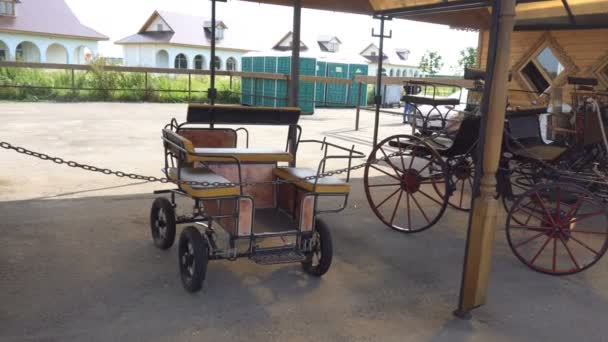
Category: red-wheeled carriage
<point>555,194</point>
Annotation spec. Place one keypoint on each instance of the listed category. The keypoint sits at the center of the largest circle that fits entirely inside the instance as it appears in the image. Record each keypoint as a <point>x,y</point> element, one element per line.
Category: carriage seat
<point>325,185</point>
<point>263,155</point>
<point>525,139</point>
<point>542,152</point>
<point>202,174</point>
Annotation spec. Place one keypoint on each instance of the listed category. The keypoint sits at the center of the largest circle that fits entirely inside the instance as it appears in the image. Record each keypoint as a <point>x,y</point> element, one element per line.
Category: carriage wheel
<point>400,179</point>
<point>462,176</point>
<point>193,258</point>
<point>565,232</point>
<point>162,223</point>
<point>318,261</point>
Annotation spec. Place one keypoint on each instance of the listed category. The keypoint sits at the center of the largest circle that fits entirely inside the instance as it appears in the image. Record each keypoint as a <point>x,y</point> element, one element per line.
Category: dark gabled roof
<point>278,46</point>
<point>47,17</point>
<point>184,30</point>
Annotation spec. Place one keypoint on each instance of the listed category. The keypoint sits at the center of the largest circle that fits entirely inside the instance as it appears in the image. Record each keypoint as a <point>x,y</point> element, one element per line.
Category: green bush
<point>99,84</point>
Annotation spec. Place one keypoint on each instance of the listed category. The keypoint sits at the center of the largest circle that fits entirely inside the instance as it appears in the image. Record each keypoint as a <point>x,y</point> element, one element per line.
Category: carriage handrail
<point>352,153</point>
<point>220,156</point>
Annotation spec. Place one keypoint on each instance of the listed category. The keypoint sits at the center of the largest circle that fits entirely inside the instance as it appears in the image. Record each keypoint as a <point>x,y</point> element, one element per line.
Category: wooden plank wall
<point>587,49</point>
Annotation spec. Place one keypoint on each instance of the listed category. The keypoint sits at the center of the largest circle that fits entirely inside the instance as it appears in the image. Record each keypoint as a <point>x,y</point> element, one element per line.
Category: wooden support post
<point>360,88</point>
<point>482,224</point>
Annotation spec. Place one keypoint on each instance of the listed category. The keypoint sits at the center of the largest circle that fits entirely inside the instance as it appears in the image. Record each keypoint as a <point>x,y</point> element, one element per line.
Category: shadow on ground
<point>75,269</point>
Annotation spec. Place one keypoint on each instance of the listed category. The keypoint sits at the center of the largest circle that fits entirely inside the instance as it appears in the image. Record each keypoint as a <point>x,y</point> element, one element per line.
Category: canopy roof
<point>474,14</point>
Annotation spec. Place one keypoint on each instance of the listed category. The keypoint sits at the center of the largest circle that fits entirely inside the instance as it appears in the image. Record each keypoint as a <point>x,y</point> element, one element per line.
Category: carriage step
<point>277,256</point>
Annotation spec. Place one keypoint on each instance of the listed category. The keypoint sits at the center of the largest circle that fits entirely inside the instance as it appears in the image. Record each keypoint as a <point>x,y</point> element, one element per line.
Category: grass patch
<point>99,84</point>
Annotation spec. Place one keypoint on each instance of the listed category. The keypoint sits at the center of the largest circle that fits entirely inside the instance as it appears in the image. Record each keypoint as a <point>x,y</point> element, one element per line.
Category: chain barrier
<point>164,180</point>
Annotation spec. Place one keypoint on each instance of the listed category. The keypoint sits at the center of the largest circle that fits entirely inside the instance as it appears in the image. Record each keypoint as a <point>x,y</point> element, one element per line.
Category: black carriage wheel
<point>462,176</point>
<point>318,261</point>
<point>402,193</point>
<point>193,258</point>
<point>162,223</point>
<point>566,230</point>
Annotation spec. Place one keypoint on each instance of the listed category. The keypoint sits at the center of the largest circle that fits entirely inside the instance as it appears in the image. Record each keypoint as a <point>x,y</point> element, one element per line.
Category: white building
<point>172,40</point>
<point>395,63</point>
<point>44,31</point>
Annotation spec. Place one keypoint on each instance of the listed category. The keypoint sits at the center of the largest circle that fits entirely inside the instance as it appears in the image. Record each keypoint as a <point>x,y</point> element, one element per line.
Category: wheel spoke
<point>381,185</point>
<point>420,208</point>
<point>541,203</point>
<point>409,217</point>
<point>585,245</point>
<point>534,229</point>
<point>401,154</point>
<point>587,232</point>
<point>429,197</point>
<point>581,217</point>
<point>529,239</point>
<point>396,207</point>
<point>386,199</point>
<point>569,252</point>
<point>390,163</point>
<point>384,172</point>
<point>540,251</point>
<point>554,253</point>
<point>461,194</point>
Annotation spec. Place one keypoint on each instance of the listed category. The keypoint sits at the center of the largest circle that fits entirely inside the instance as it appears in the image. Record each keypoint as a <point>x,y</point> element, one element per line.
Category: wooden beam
<point>482,229</point>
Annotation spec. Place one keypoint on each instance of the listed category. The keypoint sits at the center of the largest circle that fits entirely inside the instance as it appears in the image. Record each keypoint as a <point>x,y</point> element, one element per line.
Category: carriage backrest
<point>467,135</point>
<point>524,126</point>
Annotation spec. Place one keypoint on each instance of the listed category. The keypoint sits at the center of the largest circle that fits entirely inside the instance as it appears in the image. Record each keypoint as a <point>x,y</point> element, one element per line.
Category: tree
<point>468,57</point>
<point>431,62</point>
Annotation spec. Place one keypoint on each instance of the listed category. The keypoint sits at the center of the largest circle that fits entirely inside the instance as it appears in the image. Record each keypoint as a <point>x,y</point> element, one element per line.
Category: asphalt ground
<point>77,262</point>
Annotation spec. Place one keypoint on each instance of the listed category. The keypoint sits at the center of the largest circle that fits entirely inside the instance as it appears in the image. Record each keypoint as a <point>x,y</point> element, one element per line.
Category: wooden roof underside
<point>539,15</point>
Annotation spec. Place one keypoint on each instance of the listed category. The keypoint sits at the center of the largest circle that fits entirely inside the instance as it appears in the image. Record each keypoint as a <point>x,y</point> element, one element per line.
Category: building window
<point>391,73</point>
<point>7,7</point>
<point>199,62</point>
<point>231,64</point>
<point>19,53</point>
<point>333,47</point>
<point>181,62</point>
<point>218,63</point>
<point>373,54</point>
<point>159,27</point>
<point>542,69</point>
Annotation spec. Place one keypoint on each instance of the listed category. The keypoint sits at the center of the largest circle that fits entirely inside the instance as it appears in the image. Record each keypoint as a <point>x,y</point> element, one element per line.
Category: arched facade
<point>5,51</point>
<point>57,53</point>
<point>199,62</point>
<point>218,63</point>
<point>231,64</point>
<point>27,52</point>
<point>162,59</point>
<point>181,61</point>
<point>82,55</point>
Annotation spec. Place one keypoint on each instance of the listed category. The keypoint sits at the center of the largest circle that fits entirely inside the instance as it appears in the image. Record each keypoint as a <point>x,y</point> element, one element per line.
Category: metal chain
<point>164,180</point>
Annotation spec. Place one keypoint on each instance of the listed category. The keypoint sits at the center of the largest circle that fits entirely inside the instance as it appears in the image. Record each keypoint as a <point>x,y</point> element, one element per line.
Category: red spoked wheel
<point>560,229</point>
<point>400,179</point>
<point>462,175</point>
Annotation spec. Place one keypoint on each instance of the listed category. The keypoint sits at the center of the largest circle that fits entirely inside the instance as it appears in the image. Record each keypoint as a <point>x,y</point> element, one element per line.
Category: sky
<point>268,23</point>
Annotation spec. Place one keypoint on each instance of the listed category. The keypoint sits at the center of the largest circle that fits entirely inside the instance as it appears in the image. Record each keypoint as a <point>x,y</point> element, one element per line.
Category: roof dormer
<point>329,43</point>
<point>156,23</point>
<point>286,43</point>
<point>8,8</point>
<point>220,27</point>
<point>403,54</point>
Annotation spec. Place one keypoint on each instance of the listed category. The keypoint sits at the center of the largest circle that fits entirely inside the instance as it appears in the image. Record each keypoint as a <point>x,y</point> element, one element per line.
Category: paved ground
<point>76,262</point>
